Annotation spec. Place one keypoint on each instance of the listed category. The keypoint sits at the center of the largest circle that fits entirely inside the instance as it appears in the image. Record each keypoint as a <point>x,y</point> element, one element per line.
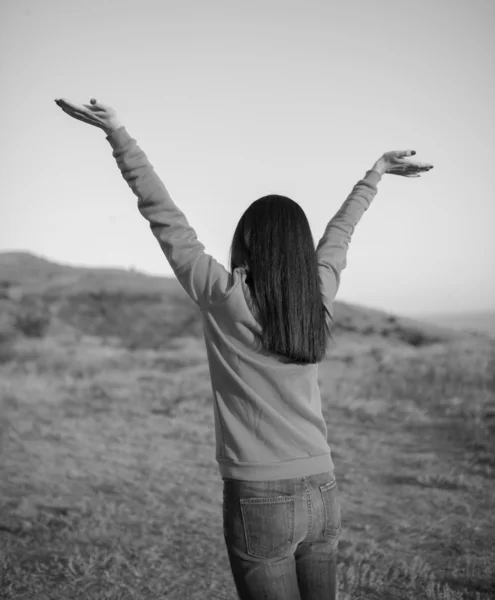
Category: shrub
<point>415,336</point>
<point>7,344</point>
<point>32,319</point>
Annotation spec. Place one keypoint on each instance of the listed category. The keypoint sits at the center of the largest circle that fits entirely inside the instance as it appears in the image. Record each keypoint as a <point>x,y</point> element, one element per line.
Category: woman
<point>267,326</point>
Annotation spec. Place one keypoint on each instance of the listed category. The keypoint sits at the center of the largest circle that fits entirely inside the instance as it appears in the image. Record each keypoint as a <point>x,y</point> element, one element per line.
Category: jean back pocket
<point>269,525</point>
<point>331,502</point>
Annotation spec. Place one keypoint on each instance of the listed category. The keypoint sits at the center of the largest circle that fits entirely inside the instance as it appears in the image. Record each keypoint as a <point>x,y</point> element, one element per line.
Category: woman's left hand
<point>97,114</point>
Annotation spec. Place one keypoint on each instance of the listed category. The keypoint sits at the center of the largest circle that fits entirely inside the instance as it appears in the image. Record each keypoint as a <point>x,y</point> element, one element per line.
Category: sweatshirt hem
<point>300,467</point>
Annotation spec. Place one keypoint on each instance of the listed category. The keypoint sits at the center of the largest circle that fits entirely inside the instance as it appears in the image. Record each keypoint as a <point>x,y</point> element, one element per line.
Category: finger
<point>63,102</point>
<point>80,116</point>
<point>413,173</point>
<point>416,169</point>
<point>73,112</point>
<point>404,168</point>
<point>94,108</point>
<point>78,111</point>
<point>402,174</point>
<point>404,153</point>
<point>99,105</point>
<point>416,164</point>
<point>74,109</point>
<point>95,105</point>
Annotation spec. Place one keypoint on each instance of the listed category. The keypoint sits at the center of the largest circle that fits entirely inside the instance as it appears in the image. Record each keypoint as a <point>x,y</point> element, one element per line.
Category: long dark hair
<point>274,243</point>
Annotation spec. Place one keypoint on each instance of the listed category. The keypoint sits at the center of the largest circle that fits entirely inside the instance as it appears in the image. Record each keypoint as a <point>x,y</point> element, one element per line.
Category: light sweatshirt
<point>268,418</point>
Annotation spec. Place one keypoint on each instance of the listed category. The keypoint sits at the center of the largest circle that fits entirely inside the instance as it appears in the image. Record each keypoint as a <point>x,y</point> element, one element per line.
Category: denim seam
<point>310,514</point>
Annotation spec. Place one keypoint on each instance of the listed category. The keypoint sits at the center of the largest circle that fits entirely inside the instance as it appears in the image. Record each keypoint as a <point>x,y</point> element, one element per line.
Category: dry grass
<point>109,488</point>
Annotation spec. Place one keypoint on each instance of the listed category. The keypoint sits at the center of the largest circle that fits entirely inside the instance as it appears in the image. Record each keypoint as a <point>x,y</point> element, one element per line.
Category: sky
<point>234,100</point>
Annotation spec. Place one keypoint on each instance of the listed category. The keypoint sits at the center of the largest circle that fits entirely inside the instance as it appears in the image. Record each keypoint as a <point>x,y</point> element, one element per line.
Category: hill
<point>146,311</point>
<point>482,321</point>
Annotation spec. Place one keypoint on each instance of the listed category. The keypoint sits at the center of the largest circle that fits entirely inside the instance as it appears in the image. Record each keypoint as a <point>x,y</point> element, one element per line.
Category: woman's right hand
<point>396,162</point>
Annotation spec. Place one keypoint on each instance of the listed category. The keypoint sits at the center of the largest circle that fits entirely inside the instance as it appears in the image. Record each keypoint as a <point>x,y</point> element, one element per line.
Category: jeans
<point>282,537</point>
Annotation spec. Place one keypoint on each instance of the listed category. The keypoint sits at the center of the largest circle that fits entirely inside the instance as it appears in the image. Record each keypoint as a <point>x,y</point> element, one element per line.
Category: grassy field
<point>109,488</point>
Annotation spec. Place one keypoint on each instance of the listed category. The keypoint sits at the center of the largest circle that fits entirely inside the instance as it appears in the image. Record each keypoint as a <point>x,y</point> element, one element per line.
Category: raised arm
<point>202,277</point>
<point>333,247</point>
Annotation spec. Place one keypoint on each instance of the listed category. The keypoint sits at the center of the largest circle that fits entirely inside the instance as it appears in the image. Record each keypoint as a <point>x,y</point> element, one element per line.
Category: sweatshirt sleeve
<point>332,248</point>
<point>201,276</point>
